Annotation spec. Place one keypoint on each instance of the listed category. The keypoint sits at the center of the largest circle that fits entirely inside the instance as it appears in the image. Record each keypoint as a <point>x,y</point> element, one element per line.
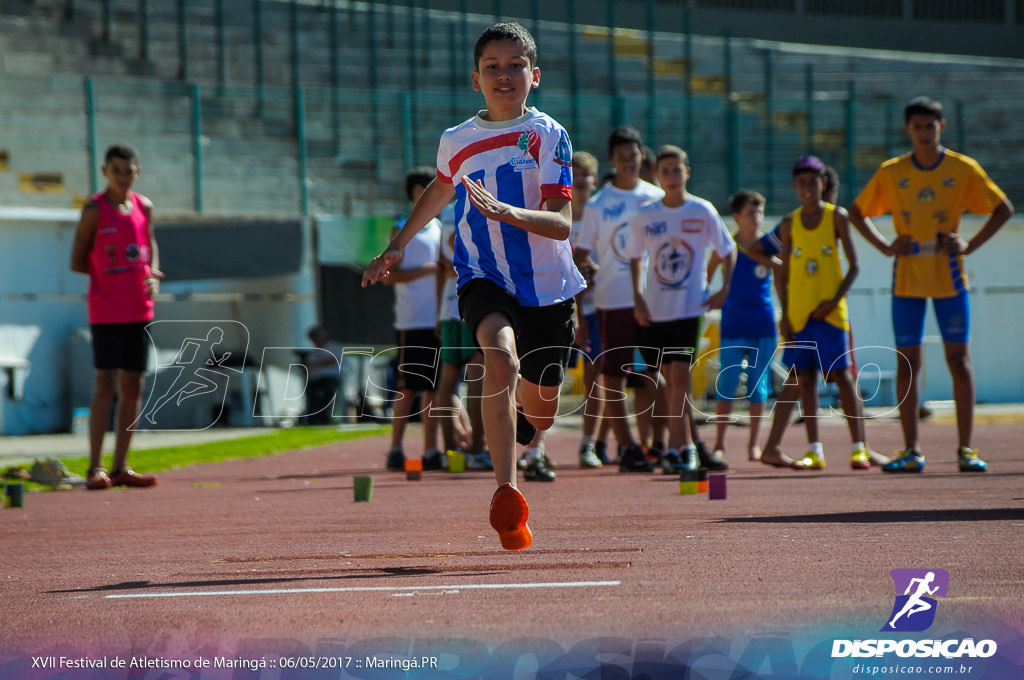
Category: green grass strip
<point>274,442</point>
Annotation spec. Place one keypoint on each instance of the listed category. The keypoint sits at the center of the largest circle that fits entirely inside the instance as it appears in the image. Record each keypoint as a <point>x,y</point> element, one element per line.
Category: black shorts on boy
<point>549,330</point>
<point>419,360</point>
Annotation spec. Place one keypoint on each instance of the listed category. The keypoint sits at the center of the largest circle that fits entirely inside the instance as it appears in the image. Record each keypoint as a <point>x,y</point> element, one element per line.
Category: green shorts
<point>457,344</point>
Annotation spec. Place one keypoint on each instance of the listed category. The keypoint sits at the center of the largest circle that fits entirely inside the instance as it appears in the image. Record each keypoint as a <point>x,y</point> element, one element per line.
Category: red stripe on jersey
<point>484,145</point>
<point>444,178</point>
<point>556,191</point>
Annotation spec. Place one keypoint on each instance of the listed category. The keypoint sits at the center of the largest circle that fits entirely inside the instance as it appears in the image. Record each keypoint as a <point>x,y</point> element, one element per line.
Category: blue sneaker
<point>671,463</point>
<point>481,461</point>
<point>968,460</point>
<point>905,461</point>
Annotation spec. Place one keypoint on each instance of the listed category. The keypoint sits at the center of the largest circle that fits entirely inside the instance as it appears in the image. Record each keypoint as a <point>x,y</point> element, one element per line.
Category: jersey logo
<point>693,226</point>
<point>949,182</point>
<point>619,239</point>
<point>926,195</point>
<point>811,267</point>
<point>563,154</point>
<point>528,140</point>
<point>522,164</point>
<point>613,212</point>
<point>761,271</point>
<point>903,182</point>
<point>673,263</point>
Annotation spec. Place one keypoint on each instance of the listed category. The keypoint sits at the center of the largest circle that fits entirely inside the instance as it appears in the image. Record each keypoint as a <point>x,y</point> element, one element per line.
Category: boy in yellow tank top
<point>927,190</point>
<point>815,320</point>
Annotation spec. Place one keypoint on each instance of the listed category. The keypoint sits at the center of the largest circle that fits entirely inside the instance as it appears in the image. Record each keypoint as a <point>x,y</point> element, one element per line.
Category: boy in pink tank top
<point>114,245</point>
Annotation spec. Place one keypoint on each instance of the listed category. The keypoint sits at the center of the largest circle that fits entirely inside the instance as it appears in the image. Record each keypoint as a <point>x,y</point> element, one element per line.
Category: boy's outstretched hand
<point>378,268</point>
<point>484,201</point>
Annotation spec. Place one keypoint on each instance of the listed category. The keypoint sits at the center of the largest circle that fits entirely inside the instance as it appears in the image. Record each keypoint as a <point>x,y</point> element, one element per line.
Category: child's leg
<point>474,390</point>
<point>643,410</point>
<point>780,421</point>
<point>759,371</point>
<point>730,358</point>
<point>501,368</point>
<point>400,412</point>
<point>615,413</point>
<point>958,359</point>
<point>756,409</point>
<point>444,411</point>
<point>592,406</point>
<point>429,422</point>
<point>129,385</point>
<point>677,376</point>
<point>103,391</point>
<point>808,379</point>
<point>852,407</point>
<point>660,424</point>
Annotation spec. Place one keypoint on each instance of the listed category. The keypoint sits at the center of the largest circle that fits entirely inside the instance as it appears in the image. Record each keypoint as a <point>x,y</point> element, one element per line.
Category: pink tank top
<point>119,264</point>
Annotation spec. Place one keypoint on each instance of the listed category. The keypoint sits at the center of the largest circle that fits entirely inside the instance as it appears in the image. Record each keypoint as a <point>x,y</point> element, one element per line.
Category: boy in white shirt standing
<point>605,231</point>
<point>675,234</point>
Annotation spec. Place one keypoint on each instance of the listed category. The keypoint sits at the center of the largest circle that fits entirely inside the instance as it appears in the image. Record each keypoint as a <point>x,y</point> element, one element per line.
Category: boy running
<point>508,169</point>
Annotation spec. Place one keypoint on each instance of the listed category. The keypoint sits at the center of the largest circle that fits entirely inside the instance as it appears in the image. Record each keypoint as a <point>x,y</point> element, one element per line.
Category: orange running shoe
<point>509,512</point>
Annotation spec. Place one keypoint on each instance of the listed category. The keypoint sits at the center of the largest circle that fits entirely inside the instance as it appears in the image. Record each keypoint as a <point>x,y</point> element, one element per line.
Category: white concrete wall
<point>41,298</point>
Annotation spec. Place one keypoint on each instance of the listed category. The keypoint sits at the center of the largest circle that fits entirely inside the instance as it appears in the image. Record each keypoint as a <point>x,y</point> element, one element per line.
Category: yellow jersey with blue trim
<point>927,205</point>
<point>815,271</point>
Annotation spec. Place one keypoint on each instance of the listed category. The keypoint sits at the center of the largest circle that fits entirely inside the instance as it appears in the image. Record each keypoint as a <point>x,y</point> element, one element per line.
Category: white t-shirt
<point>676,242</point>
<point>604,233</point>
<point>416,301</point>
<point>448,309</point>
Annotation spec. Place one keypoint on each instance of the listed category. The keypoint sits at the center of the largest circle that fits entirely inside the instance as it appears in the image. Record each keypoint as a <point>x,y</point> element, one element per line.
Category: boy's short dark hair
<point>505,30</point>
<point>671,151</point>
<point>586,162</point>
<point>924,106</point>
<point>809,164</point>
<point>418,177</point>
<point>124,151</point>
<point>624,134</point>
<point>742,199</point>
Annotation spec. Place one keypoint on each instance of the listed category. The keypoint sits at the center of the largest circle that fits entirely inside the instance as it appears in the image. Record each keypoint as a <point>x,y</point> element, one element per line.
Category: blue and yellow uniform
<point>815,275</point>
<point>927,204</point>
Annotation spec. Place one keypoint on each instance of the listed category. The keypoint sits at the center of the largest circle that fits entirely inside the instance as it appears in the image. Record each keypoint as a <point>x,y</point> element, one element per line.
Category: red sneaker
<point>509,512</point>
<point>98,479</point>
<point>128,477</point>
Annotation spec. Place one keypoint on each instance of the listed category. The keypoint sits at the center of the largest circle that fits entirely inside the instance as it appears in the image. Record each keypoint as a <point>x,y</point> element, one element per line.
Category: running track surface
<point>275,549</point>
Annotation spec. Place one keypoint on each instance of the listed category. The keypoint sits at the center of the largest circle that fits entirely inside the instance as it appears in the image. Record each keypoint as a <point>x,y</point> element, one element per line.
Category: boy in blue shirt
<point>509,170</point>
<point>748,323</point>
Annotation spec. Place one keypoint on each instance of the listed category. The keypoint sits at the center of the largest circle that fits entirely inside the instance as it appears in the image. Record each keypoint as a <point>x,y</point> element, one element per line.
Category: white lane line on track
<point>371,589</point>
